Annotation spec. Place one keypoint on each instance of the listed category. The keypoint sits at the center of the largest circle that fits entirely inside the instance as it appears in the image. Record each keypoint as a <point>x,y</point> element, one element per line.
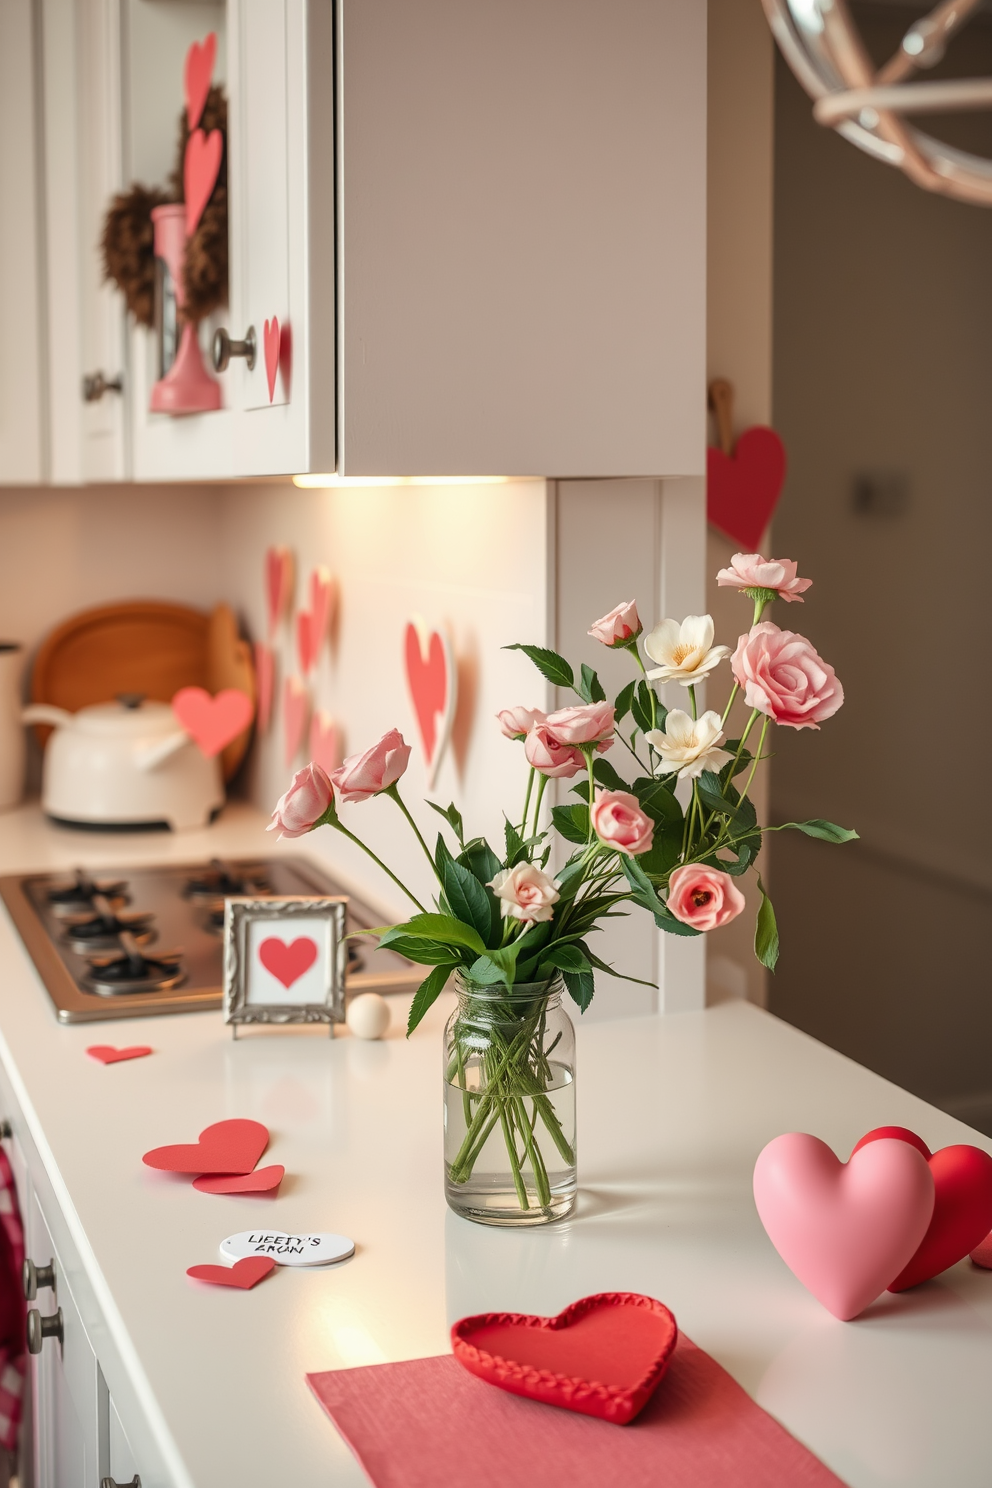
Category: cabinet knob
<point>134,1482</point>
<point>6,1130</point>
<point>224,349</point>
<point>95,385</point>
<point>36,1278</point>
<point>40,1328</point>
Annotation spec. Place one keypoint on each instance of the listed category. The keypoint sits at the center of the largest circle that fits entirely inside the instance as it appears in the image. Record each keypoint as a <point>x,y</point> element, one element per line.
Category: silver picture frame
<point>242,1005</point>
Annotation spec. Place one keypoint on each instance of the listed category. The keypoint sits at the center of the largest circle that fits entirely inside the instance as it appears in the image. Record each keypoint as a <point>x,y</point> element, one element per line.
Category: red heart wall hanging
<point>265,678</point>
<point>225,1147</point>
<point>271,354</point>
<point>603,1356</point>
<point>107,1054</point>
<point>201,167</point>
<point>322,598</point>
<point>305,641</point>
<point>325,742</point>
<point>431,678</point>
<point>244,1274</point>
<point>212,722</point>
<point>279,575</point>
<point>295,708</point>
<point>743,483</point>
<point>197,73</point>
<point>962,1211</point>
<point>287,962</point>
<point>262,1180</point>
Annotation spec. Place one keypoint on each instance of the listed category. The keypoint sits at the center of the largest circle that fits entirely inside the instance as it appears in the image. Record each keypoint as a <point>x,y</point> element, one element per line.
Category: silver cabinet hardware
<point>135,1482</point>
<point>95,385</point>
<point>224,349</point>
<point>36,1278</point>
<point>40,1328</point>
<point>6,1130</point>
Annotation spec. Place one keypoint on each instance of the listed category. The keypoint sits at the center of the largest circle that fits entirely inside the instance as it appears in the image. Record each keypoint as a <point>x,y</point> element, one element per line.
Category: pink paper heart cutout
<point>325,742</point>
<point>278,584</point>
<point>742,490</point>
<point>245,1274</point>
<point>212,722</point>
<point>197,73</point>
<point>201,167</point>
<point>846,1230</point>
<point>265,676</point>
<point>232,1146</point>
<point>107,1054</point>
<point>287,962</point>
<point>431,680</point>
<point>295,706</point>
<point>304,641</point>
<point>262,1180</point>
<point>321,607</point>
<point>271,354</point>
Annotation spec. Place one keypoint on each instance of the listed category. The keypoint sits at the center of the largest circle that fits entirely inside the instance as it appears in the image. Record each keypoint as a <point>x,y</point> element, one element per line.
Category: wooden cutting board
<point>145,646</point>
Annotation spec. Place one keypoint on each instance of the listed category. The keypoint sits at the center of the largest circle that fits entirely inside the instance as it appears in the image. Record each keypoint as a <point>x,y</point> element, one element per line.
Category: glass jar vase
<point>509,1104</point>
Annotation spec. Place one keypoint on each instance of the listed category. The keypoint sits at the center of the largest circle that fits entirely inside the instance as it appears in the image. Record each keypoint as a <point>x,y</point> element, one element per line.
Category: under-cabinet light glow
<point>307,482</point>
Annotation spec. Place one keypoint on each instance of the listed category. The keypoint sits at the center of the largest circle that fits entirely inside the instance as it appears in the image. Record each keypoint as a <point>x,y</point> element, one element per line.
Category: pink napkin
<point>429,1421</point>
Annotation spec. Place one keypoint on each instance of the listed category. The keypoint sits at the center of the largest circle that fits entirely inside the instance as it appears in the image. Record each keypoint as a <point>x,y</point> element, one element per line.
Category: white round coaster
<point>288,1250</point>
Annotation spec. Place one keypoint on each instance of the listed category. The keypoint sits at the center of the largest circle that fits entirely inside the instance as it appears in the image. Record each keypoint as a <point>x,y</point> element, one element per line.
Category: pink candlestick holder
<point>187,387</point>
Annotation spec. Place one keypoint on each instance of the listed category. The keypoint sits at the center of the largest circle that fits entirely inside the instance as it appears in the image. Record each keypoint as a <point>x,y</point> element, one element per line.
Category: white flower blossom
<point>689,745</point>
<point>684,653</point>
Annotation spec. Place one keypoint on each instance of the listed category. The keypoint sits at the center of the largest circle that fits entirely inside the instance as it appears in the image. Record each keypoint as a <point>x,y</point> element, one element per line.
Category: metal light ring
<point>823,47</point>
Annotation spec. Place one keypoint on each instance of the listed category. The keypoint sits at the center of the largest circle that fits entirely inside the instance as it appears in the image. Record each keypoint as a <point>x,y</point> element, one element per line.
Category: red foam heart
<point>962,1211</point>
<point>278,583</point>
<point>325,742</point>
<point>430,676</point>
<point>271,354</point>
<point>201,167</point>
<point>287,963</point>
<point>742,489</point>
<point>262,1180</point>
<point>603,1356</point>
<point>245,1274</point>
<point>265,677</point>
<point>982,1254</point>
<point>212,722</point>
<point>225,1147</point>
<point>107,1054</point>
<point>197,74</point>
<point>295,707</point>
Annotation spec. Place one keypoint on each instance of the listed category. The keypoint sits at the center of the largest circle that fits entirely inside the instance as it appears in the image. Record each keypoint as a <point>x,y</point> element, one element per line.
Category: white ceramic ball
<point>368,1015</point>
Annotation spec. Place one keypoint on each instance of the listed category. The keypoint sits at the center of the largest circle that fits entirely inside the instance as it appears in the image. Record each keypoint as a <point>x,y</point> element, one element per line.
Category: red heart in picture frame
<point>197,73</point>
<point>603,1356</point>
<point>201,167</point>
<point>212,722</point>
<point>244,1274</point>
<point>431,678</point>
<point>287,961</point>
<point>272,339</point>
<point>742,489</point>
<point>225,1147</point>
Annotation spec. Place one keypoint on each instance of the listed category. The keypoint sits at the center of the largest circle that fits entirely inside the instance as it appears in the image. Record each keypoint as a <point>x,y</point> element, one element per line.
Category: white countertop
<point>672,1114</point>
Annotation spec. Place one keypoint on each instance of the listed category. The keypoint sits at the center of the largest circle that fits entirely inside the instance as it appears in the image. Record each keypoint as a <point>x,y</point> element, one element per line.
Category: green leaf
<point>516,848</point>
<point>641,708</point>
<point>644,892</point>
<point>572,822</point>
<point>571,876</point>
<point>427,993</point>
<point>480,860</point>
<point>666,921</point>
<point>442,856</point>
<point>826,831</point>
<point>605,775</point>
<point>453,817</point>
<point>427,952</point>
<point>590,688</point>
<point>468,899</point>
<point>581,986</point>
<point>732,767</point>
<point>624,699</point>
<point>565,957</point>
<point>485,972</point>
<point>550,665</point>
<point>766,931</point>
<point>658,800</point>
<point>444,928</point>
<point>605,966</point>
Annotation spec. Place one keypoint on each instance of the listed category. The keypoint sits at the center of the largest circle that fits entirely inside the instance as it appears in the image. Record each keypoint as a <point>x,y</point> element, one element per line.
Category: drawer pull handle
<point>6,1130</point>
<point>135,1482</point>
<point>36,1278</point>
<point>224,349</point>
<point>40,1328</point>
<point>95,385</point>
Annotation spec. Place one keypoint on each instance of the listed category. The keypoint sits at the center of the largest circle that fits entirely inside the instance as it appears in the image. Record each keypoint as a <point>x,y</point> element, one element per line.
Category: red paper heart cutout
<point>325,742</point>
<point>107,1054</point>
<point>271,354</point>
<point>287,963</point>
<point>197,72</point>
<point>603,1356</point>
<point>305,640</point>
<point>212,722</point>
<point>321,607</point>
<point>265,677</point>
<point>278,583</point>
<point>226,1147</point>
<point>962,1211</point>
<point>201,167</point>
<point>245,1274</point>
<point>430,678</point>
<point>295,707</point>
<point>262,1180</point>
<point>742,490</point>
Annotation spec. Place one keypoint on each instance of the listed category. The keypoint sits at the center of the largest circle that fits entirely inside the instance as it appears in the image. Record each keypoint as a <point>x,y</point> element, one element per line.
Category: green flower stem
<point>654,712</point>
<point>511,1147</point>
<point>530,787</point>
<point>339,826</point>
<point>534,1153</point>
<point>541,787</point>
<point>692,698</point>
<point>757,758</point>
<point>393,791</point>
<point>730,703</point>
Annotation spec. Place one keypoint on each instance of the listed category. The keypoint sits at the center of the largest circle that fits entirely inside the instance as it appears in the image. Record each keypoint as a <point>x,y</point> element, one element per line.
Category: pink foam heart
<point>262,1180</point>
<point>325,742</point>
<point>107,1054</point>
<point>295,707</point>
<point>430,675</point>
<point>245,1274</point>
<point>845,1229</point>
<point>212,722</point>
<point>271,354</point>
<point>287,961</point>
<point>742,489</point>
<point>201,167</point>
<point>197,73</point>
<point>304,641</point>
<point>279,574</point>
<point>321,606</point>
<point>265,676</point>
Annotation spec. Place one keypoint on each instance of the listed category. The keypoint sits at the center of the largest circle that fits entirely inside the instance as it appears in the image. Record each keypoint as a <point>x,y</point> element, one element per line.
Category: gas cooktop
<point>149,939</point>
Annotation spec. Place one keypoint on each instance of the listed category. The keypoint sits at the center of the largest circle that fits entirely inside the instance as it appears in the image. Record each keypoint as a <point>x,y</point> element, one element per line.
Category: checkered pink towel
<point>13,1360</point>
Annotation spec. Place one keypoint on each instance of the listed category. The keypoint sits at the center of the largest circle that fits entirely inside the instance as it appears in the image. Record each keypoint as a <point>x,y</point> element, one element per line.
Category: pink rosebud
<point>783,677</point>
<point>619,822</point>
<point>554,759</point>
<point>619,626</point>
<point>525,893</point>
<point>702,897</point>
<point>300,809</point>
<point>751,571</point>
<point>365,775</point>
<point>516,723</point>
<point>590,724</point>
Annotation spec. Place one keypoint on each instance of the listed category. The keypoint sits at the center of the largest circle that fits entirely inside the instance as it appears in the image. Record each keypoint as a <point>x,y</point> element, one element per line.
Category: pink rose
<point>545,753</point>
<point>300,809</point>
<point>619,626</point>
<point>704,898</point>
<point>751,571</point>
<point>525,893</point>
<point>590,724</point>
<point>517,722</point>
<point>782,676</point>
<point>617,820</point>
<point>365,775</point>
